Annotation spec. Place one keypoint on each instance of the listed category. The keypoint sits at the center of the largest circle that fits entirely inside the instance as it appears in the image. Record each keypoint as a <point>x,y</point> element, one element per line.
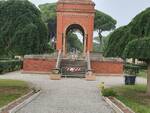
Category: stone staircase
<point>73,68</point>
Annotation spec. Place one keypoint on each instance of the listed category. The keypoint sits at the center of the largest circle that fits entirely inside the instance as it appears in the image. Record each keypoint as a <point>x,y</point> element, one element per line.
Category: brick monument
<point>74,14</point>
<point>77,14</point>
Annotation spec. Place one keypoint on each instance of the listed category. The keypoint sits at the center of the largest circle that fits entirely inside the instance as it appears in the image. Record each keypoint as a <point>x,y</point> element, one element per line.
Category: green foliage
<point>134,97</point>
<point>142,73</point>
<point>103,22</point>
<point>73,42</point>
<point>140,25</point>
<point>138,49</point>
<point>97,44</point>
<point>49,17</point>
<point>138,28</point>
<point>11,90</point>
<point>118,41</point>
<point>48,11</point>
<point>10,65</point>
<point>109,93</point>
<point>131,69</point>
<point>22,29</point>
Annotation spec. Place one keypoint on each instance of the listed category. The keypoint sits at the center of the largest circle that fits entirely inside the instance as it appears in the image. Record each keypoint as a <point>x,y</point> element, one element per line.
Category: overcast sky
<point>121,10</point>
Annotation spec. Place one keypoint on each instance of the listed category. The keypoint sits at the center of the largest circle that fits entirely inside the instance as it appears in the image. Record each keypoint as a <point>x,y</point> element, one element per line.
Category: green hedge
<point>10,65</point>
<point>133,69</point>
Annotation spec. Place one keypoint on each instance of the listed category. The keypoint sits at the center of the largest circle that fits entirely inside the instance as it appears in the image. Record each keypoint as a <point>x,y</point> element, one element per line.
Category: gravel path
<point>67,95</point>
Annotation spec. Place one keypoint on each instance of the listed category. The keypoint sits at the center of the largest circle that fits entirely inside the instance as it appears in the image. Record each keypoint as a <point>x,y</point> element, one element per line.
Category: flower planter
<point>130,80</point>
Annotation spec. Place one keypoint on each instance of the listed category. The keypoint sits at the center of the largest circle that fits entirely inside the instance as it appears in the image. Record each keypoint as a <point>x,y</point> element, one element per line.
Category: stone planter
<point>130,80</point>
<point>90,78</point>
<point>55,77</point>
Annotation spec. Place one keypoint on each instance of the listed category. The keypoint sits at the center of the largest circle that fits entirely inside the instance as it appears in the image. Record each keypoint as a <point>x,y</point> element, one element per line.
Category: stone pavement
<point>70,95</point>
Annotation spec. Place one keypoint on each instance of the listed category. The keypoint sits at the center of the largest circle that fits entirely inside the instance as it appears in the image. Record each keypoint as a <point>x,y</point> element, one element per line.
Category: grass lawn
<point>134,97</point>
<point>11,90</point>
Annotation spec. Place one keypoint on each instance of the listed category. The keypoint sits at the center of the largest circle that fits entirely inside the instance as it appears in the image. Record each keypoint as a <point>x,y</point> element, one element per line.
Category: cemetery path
<point>71,95</point>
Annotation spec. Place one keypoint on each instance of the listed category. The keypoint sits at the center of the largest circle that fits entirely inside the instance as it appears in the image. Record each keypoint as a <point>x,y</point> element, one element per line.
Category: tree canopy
<point>22,30</point>
<point>138,49</point>
<point>133,41</point>
<point>138,28</point>
<point>102,23</point>
<point>118,41</point>
<point>49,17</point>
<point>140,25</point>
<point>74,42</point>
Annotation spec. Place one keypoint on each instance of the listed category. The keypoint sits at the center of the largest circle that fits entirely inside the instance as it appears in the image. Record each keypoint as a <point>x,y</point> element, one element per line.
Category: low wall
<point>33,65</point>
<point>107,67</point>
<point>45,65</point>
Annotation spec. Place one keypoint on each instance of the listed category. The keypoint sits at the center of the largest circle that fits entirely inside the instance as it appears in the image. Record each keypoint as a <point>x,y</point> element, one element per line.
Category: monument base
<point>90,76</point>
<point>55,77</point>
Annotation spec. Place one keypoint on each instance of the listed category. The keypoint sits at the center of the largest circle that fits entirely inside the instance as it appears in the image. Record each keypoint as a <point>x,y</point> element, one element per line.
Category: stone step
<point>74,68</point>
<point>73,63</point>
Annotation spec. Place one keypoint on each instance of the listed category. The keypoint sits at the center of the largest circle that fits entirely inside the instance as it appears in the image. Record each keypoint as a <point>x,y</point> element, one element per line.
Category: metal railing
<point>88,61</point>
<point>58,59</point>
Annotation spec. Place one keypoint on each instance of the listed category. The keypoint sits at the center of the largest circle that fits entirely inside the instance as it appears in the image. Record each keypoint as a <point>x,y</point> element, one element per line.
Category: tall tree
<point>139,27</point>
<point>22,30</point>
<point>49,17</point>
<point>139,49</point>
<point>118,41</point>
<point>103,22</point>
<point>133,41</point>
<point>96,43</point>
<point>74,42</point>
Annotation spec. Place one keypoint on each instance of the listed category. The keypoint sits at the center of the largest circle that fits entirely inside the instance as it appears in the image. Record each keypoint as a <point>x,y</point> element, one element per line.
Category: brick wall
<point>33,65</point>
<point>107,67</point>
<point>38,65</point>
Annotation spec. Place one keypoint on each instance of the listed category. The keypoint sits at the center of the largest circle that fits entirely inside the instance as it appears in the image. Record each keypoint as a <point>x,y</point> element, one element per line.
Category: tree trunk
<point>133,60</point>
<point>101,41</point>
<point>148,79</point>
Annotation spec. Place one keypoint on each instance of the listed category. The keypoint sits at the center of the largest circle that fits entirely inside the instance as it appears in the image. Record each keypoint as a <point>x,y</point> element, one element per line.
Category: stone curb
<point>24,103</point>
<point>4,107</point>
<point>115,107</point>
<point>112,105</point>
<point>124,105</point>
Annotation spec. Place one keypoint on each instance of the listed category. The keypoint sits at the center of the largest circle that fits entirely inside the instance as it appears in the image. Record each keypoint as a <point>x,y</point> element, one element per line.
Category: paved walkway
<point>67,95</point>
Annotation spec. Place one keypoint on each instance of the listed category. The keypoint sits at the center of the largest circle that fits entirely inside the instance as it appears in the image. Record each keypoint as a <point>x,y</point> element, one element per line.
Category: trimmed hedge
<point>133,69</point>
<point>10,65</point>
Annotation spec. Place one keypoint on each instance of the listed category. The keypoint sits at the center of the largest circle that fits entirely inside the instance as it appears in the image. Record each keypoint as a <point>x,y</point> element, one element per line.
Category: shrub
<point>131,69</point>
<point>109,92</point>
<point>10,65</point>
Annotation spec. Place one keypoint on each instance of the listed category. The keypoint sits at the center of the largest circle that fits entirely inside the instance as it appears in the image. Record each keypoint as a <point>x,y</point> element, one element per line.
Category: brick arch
<point>82,26</point>
<point>74,12</point>
<point>83,33</point>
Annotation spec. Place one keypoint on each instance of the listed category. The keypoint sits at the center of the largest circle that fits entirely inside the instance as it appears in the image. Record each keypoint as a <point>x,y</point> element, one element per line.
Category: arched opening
<point>75,39</point>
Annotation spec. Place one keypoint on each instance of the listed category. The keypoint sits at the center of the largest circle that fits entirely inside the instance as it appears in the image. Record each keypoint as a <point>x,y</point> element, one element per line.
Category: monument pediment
<point>77,1</point>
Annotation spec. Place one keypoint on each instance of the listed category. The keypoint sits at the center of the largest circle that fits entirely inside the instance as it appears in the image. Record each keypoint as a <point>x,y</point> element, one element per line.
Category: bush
<point>109,93</point>
<point>131,69</point>
<point>10,65</point>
